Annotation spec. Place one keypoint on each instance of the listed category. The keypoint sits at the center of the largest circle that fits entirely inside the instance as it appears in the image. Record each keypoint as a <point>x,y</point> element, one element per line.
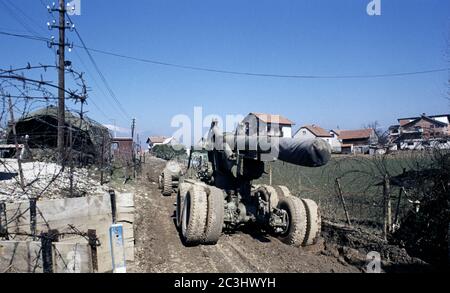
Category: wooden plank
<point>20,256</point>
<point>72,258</point>
<point>57,214</point>
<point>84,213</point>
<point>17,216</point>
<point>25,257</point>
<point>125,216</point>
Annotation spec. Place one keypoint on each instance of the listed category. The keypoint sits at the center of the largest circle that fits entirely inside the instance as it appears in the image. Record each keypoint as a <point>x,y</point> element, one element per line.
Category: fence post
<point>112,195</point>
<point>47,238</point>
<point>397,210</point>
<point>92,235</point>
<point>102,160</point>
<point>338,184</point>
<point>33,217</point>
<point>387,207</point>
<point>3,227</point>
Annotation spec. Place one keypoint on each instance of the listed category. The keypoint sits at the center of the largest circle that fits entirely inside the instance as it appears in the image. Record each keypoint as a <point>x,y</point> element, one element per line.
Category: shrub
<point>168,152</point>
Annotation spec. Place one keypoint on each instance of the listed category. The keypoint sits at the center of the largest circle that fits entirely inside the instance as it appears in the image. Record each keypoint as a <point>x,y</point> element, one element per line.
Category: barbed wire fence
<point>22,91</point>
<point>373,192</point>
<point>25,89</point>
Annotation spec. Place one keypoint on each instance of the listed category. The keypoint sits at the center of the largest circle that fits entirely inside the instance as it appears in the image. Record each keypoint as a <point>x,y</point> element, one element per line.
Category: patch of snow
<point>47,180</point>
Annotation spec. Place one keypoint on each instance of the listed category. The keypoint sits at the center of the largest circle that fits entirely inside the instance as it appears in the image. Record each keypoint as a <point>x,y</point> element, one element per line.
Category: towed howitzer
<point>219,195</point>
<point>232,147</point>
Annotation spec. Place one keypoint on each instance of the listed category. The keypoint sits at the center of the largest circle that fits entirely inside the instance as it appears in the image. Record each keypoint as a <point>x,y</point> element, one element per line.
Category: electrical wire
<point>99,72</point>
<point>214,70</point>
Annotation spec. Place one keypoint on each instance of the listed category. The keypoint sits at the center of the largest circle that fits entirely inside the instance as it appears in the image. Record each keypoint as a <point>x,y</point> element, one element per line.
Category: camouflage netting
<point>41,127</point>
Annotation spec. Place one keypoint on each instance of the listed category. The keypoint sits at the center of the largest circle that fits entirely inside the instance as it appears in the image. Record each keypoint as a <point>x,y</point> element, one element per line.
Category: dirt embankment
<point>159,249</point>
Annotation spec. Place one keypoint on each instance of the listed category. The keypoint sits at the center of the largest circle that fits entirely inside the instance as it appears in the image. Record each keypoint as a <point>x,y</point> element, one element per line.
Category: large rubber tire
<point>183,188</point>
<point>314,222</point>
<point>195,210</point>
<point>296,231</point>
<point>284,191</point>
<point>214,221</point>
<point>273,195</point>
<point>167,183</point>
<point>160,181</point>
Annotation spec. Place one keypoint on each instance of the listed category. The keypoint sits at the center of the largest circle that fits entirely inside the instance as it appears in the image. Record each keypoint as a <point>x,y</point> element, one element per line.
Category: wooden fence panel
<point>20,257</point>
<point>93,212</point>
<point>72,258</point>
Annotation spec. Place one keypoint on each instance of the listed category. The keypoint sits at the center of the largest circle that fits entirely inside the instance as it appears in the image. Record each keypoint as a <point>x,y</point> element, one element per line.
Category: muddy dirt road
<point>159,249</point>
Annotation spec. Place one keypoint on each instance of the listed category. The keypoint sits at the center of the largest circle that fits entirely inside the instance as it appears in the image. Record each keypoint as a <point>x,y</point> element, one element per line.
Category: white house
<point>267,124</point>
<point>314,131</point>
<point>159,140</point>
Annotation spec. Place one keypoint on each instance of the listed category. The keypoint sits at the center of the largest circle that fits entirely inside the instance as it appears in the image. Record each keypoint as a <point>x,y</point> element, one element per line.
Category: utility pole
<point>61,80</point>
<point>387,206</point>
<point>61,26</point>
<point>133,125</point>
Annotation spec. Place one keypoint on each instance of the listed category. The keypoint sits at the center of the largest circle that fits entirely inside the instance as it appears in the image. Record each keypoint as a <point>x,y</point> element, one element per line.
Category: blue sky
<point>281,37</point>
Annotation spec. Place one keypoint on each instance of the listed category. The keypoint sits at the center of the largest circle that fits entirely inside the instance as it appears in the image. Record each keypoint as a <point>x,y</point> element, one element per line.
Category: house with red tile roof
<point>267,124</point>
<point>421,132</point>
<point>315,131</point>
<point>357,141</point>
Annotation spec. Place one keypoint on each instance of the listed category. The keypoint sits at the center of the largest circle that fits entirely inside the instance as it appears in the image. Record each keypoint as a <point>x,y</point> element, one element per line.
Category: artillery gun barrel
<point>310,153</point>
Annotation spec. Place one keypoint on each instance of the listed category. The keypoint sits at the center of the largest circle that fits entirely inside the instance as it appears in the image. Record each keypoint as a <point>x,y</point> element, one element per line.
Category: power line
<point>220,71</point>
<point>37,37</point>
<point>16,17</point>
<point>269,74</point>
<point>102,77</point>
<point>95,81</point>
<point>46,40</point>
<point>34,21</point>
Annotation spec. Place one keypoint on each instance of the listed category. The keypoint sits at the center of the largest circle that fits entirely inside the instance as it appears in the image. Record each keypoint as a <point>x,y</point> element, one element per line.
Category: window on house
<point>304,132</point>
<point>247,128</point>
<point>269,127</point>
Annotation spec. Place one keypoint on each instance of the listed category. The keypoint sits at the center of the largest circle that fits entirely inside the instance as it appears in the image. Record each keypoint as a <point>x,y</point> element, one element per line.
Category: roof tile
<point>273,118</point>
<point>355,134</point>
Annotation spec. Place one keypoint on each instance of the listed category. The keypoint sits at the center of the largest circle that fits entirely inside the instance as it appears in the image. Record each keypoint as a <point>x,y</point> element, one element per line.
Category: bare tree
<point>382,134</point>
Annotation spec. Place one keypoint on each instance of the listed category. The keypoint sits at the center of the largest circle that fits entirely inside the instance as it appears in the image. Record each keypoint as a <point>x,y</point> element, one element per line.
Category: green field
<point>361,179</point>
